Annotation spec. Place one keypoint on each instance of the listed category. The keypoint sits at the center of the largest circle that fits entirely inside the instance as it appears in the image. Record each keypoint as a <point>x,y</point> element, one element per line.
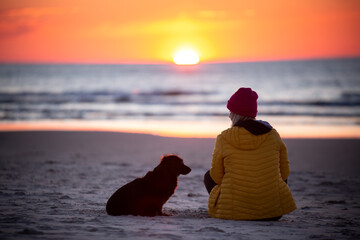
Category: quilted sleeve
<point>284,162</point>
<point>217,163</point>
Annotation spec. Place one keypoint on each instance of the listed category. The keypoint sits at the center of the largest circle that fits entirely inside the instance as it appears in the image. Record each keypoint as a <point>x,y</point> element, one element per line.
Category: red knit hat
<point>243,102</point>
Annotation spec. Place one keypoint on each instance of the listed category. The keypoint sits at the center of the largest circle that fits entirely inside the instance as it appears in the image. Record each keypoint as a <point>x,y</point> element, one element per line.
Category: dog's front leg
<point>161,213</point>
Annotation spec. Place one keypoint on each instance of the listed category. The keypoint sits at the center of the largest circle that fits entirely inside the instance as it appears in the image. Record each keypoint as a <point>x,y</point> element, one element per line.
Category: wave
<point>169,97</point>
<point>95,105</point>
<point>89,97</point>
<point>338,103</point>
<point>65,97</point>
<point>88,114</point>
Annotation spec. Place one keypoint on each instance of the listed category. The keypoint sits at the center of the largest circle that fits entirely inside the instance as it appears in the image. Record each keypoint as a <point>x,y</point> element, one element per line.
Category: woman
<point>249,168</point>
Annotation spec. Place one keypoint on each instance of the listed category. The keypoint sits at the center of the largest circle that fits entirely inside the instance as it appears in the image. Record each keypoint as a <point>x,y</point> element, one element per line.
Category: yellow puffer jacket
<point>249,171</point>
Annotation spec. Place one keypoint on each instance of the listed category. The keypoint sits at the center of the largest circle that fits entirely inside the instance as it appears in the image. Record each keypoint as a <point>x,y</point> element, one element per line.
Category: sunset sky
<point>117,31</point>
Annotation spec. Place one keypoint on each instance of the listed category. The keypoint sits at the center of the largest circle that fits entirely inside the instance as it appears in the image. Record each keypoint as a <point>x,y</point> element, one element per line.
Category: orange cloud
<point>19,21</point>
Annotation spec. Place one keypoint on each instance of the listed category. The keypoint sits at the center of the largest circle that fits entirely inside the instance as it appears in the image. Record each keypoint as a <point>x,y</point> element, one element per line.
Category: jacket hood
<point>241,137</point>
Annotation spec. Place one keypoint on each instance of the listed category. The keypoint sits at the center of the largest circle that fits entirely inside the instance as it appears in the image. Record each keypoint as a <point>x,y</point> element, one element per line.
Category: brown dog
<point>146,196</point>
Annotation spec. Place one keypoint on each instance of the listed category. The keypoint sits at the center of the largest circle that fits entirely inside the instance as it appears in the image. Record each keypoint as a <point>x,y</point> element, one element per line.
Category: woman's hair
<point>236,118</point>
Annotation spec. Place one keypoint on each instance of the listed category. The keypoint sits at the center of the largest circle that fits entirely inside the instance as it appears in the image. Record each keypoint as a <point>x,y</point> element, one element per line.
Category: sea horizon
<point>206,62</point>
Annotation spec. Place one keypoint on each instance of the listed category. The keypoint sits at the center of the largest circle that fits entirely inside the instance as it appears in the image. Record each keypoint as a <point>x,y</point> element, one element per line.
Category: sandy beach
<point>54,185</point>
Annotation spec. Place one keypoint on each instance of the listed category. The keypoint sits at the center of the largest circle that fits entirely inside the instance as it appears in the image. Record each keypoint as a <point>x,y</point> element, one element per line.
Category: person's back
<point>249,169</point>
<point>252,182</point>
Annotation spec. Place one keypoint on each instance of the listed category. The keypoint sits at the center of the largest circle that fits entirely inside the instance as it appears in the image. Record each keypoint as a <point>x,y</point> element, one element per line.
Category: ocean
<point>291,93</point>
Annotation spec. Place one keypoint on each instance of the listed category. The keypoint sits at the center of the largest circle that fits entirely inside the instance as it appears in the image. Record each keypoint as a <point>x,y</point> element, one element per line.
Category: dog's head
<point>174,164</point>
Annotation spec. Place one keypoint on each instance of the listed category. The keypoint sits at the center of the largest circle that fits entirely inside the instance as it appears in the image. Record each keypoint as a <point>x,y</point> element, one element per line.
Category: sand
<point>54,185</point>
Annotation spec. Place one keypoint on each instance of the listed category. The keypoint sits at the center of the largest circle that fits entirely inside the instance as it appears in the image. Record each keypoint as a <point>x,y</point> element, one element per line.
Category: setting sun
<point>186,57</point>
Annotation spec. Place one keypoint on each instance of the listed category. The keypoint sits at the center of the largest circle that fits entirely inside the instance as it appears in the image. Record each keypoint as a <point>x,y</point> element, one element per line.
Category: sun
<point>186,57</point>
